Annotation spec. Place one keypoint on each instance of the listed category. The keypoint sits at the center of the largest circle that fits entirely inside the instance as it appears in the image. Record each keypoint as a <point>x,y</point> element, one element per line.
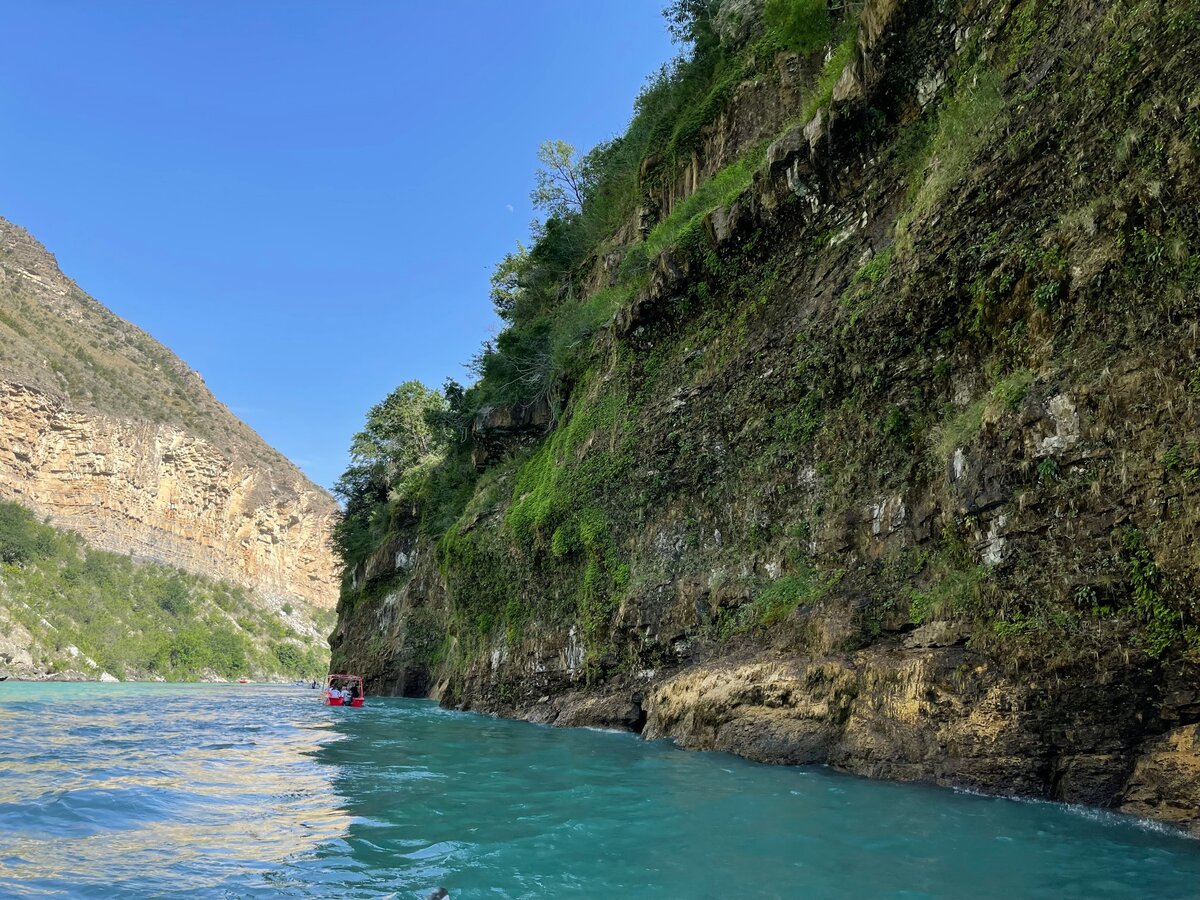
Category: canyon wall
<point>156,493</point>
<point>887,458</point>
<point>105,432</point>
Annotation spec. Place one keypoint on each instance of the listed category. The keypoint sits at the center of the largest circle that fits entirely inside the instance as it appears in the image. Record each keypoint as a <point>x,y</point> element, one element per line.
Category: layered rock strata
<point>104,431</point>
<point>891,464</point>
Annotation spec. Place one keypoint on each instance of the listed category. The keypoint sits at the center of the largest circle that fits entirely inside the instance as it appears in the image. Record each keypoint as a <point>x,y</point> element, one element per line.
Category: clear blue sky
<point>303,200</point>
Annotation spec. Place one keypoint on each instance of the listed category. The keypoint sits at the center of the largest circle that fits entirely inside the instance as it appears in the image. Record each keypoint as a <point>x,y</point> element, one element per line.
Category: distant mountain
<point>104,431</point>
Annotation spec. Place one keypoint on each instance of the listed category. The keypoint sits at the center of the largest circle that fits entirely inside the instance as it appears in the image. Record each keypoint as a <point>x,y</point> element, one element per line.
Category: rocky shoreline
<point>918,704</point>
<point>903,715</point>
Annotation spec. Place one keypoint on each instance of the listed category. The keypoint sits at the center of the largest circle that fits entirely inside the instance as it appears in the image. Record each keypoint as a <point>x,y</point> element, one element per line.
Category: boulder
<point>1165,783</point>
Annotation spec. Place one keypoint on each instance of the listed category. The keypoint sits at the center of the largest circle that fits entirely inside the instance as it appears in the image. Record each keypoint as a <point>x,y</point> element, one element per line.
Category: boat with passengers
<point>344,690</point>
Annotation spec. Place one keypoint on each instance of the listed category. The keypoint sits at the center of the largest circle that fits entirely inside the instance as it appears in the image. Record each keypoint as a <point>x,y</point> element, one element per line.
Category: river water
<point>243,791</point>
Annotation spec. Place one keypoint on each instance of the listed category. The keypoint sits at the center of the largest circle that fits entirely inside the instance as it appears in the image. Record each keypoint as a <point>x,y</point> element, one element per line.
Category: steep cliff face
<point>889,459</point>
<point>107,433</point>
<point>156,492</point>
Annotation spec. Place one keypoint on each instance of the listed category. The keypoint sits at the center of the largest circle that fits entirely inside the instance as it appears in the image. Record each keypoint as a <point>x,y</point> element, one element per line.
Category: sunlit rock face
<point>104,431</point>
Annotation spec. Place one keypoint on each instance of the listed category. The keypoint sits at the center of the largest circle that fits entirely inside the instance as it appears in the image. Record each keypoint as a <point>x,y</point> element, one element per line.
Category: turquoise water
<point>241,791</point>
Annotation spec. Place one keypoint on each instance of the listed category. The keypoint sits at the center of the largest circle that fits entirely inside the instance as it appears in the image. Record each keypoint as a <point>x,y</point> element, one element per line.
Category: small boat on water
<point>243,681</point>
<point>344,690</point>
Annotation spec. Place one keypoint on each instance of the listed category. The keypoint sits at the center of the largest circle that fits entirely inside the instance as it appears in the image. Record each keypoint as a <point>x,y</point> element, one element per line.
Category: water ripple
<point>242,791</point>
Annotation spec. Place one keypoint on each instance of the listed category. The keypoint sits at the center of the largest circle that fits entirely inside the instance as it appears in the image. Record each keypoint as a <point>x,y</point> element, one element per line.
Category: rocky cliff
<point>886,457</point>
<point>105,432</point>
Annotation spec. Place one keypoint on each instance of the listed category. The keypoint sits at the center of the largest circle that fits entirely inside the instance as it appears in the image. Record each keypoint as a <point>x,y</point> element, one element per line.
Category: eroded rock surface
<point>1165,783</point>
<point>104,431</point>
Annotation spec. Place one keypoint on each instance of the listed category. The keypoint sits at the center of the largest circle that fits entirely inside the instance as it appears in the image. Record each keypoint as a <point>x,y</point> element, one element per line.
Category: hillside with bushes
<point>68,610</point>
<point>845,412</point>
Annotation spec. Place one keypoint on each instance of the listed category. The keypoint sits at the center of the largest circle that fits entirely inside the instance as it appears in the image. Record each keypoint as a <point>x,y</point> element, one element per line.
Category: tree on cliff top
<point>690,21</point>
<point>562,184</point>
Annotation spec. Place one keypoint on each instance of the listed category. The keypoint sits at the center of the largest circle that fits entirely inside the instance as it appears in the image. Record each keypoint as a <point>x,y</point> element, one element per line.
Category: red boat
<point>335,684</point>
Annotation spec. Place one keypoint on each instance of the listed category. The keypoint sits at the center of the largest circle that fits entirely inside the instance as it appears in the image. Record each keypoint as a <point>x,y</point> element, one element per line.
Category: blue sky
<point>303,200</point>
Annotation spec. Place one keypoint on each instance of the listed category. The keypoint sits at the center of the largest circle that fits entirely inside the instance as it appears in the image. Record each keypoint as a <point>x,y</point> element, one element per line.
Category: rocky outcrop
<point>945,715</point>
<point>396,640</point>
<point>15,641</point>
<point>500,430</point>
<point>1165,783</point>
<point>940,715</point>
<point>104,431</point>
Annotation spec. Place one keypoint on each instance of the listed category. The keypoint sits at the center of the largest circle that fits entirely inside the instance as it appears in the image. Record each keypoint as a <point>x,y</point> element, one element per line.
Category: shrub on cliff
<point>22,538</point>
<point>802,25</point>
<point>542,291</point>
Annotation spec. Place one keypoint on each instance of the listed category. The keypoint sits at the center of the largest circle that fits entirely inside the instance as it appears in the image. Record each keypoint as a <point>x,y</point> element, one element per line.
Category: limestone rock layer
<point>104,431</point>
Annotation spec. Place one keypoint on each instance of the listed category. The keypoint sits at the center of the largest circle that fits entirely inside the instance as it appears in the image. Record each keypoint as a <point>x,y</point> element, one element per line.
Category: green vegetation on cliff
<point>546,351</point>
<point>136,620</point>
<point>910,347</point>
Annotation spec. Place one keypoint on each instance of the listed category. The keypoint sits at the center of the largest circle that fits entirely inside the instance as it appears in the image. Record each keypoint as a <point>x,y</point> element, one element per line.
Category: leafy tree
<point>397,439</point>
<point>188,651</point>
<point>562,183</point>
<point>803,25</point>
<point>684,18</point>
<point>452,422</point>
<point>173,597</point>
<point>362,493</point>
<point>226,652</point>
<point>690,21</point>
<point>507,289</point>
<point>389,461</point>
<point>22,537</point>
<point>289,656</point>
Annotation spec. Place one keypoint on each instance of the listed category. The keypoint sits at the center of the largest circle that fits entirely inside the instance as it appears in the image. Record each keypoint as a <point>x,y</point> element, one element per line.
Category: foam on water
<point>242,791</point>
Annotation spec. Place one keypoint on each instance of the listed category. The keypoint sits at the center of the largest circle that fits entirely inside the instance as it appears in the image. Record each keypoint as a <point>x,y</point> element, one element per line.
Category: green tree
<point>174,597</point>
<point>398,442</point>
<point>803,25</point>
<point>22,537</point>
<point>389,461</point>
<point>289,657</point>
<point>507,287</point>
<point>188,651</point>
<point>451,423</point>
<point>690,21</point>
<point>562,183</point>
<point>226,652</point>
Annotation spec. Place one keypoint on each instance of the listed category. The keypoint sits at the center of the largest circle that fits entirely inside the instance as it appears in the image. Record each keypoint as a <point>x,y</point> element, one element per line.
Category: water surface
<point>244,791</point>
